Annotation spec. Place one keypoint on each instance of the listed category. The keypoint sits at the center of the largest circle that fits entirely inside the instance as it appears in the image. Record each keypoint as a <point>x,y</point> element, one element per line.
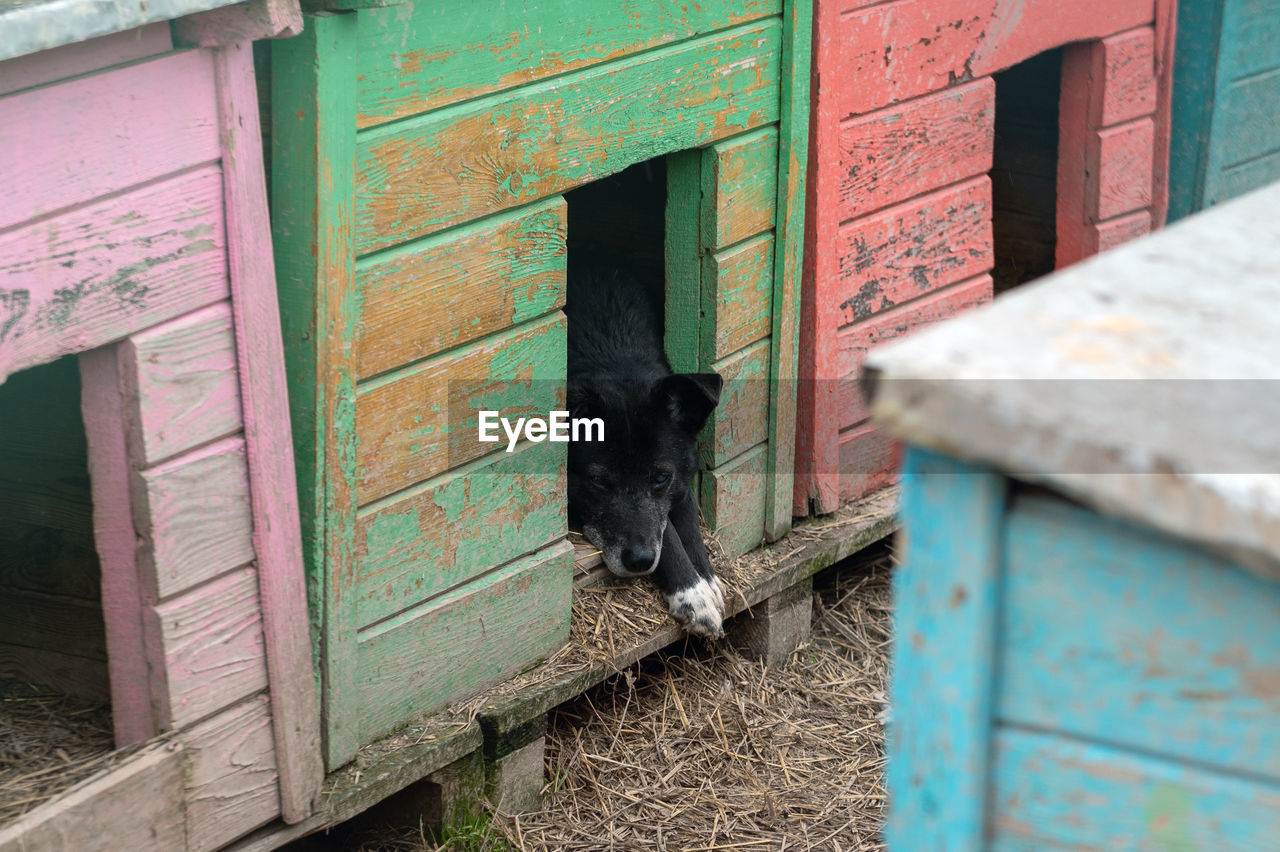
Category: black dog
<point>630,493</point>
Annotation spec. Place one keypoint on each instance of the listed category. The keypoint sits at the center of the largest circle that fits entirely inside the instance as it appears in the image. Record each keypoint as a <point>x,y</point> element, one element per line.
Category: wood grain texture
<point>1120,164</point>
<point>52,623</point>
<point>66,673</point>
<point>941,693</point>
<point>181,384</point>
<point>421,58</point>
<point>100,272</point>
<point>741,419</point>
<point>1125,65</point>
<point>478,280</point>
<point>739,187</point>
<point>193,516</point>
<point>854,342</point>
<point>267,434</point>
<point>312,173</point>
<point>136,805</point>
<point>463,641</point>
<point>894,153</point>
<point>419,176</point>
<point>1181,655</point>
<point>1115,232</point>
<point>454,528</point>
<point>420,422</point>
<point>737,299</point>
<point>733,501</point>
<point>890,52</point>
<point>206,649</point>
<point>916,248</point>
<point>102,404</point>
<point>105,132</point>
<point>230,779</point>
<point>1052,792</point>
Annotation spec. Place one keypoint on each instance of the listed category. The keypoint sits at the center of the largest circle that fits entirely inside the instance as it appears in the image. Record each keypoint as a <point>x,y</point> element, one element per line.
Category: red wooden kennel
<point>902,229</point>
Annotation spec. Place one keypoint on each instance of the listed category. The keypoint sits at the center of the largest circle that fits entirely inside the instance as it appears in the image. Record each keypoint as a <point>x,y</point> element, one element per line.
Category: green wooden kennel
<point>420,158</point>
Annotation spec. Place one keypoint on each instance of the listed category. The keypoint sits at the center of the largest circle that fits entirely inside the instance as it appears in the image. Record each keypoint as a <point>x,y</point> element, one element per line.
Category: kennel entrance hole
<point>55,715</point>
<point>622,219</point>
<point>1024,171</point>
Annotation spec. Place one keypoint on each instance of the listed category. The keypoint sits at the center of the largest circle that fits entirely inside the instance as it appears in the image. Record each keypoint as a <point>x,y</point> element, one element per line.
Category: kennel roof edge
<point>1125,364</point>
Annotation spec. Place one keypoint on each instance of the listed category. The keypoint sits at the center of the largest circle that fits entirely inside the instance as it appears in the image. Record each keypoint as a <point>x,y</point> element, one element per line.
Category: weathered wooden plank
<point>244,21</point>
<point>419,176</point>
<point>1053,793</point>
<point>230,779</point>
<point>477,281</point>
<point>454,528</point>
<point>789,236</point>
<point>312,173</point>
<point>267,433</point>
<point>894,153</point>
<point>194,519</point>
<point>1251,40</point>
<point>70,60</point>
<point>890,52</point>
<point>907,251</point>
<point>853,343</point>
<point>737,299</point>
<point>1120,166</point>
<point>206,649</point>
<point>741,419</point>
<point>1182,654</point>
<point>420,422</point>
<point>180,381</point>
<point>1114,232</point>
<point>941,694</point>
<point>1249,108</point>
<point>1195,66</point>
<point>136,805</point>
<point>869,460</point>
<point>1126,71</point>
<point>96,274</point>
<point>682,262</point>
<point>102,404</point>
<point>476,635</point>
<point>414,59</point>
<point>740,188</point>
<point>1240,179</point>
<point>733,501</point>
<point>130,131</point>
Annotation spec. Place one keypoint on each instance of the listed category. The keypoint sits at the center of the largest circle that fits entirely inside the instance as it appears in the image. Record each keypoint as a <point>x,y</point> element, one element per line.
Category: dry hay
<point>48,743</point>
<point>716,751</point>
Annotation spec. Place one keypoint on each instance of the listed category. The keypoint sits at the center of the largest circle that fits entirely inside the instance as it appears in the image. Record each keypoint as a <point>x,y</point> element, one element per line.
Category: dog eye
<point>660,478</point>
<point>597,483</point>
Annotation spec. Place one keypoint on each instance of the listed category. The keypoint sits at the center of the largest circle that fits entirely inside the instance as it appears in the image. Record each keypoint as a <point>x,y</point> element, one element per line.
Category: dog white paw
<point>700,608</point>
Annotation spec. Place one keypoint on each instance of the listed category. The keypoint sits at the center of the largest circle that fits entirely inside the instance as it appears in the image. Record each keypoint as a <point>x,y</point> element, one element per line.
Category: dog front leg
<point>684,515</point>
<point>695,603</point>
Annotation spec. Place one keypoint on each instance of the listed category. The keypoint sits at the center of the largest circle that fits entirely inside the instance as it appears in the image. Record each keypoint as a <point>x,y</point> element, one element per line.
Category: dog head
<point>621,488</point>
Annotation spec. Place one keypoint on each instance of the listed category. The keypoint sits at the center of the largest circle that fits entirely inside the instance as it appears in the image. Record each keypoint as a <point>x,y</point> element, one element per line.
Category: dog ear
<point>689,397</point>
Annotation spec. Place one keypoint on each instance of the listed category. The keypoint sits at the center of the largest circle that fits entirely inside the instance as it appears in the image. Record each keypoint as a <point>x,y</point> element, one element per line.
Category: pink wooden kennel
<point>134,240</point>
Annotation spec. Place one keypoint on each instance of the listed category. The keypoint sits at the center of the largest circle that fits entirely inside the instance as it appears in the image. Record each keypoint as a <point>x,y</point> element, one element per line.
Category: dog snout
<point>639,558</point>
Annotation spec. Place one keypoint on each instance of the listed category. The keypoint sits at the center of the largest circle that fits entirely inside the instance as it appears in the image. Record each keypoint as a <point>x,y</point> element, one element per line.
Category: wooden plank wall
<point>386,200</point>
<point>1226,137</point>
<point>899,216</point>
<point>174,424</point>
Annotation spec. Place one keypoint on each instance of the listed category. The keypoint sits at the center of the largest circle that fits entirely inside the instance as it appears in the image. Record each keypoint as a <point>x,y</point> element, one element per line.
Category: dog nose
<point>638,559</point>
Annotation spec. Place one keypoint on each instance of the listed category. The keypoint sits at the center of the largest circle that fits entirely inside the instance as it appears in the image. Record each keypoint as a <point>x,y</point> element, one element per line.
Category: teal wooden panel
<point>1117,635</point>
<point>1055,793</point>
<point>1249,111</point>
<point>1251,41</point>
<point>1195,75</point>
<point>941,692</point>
